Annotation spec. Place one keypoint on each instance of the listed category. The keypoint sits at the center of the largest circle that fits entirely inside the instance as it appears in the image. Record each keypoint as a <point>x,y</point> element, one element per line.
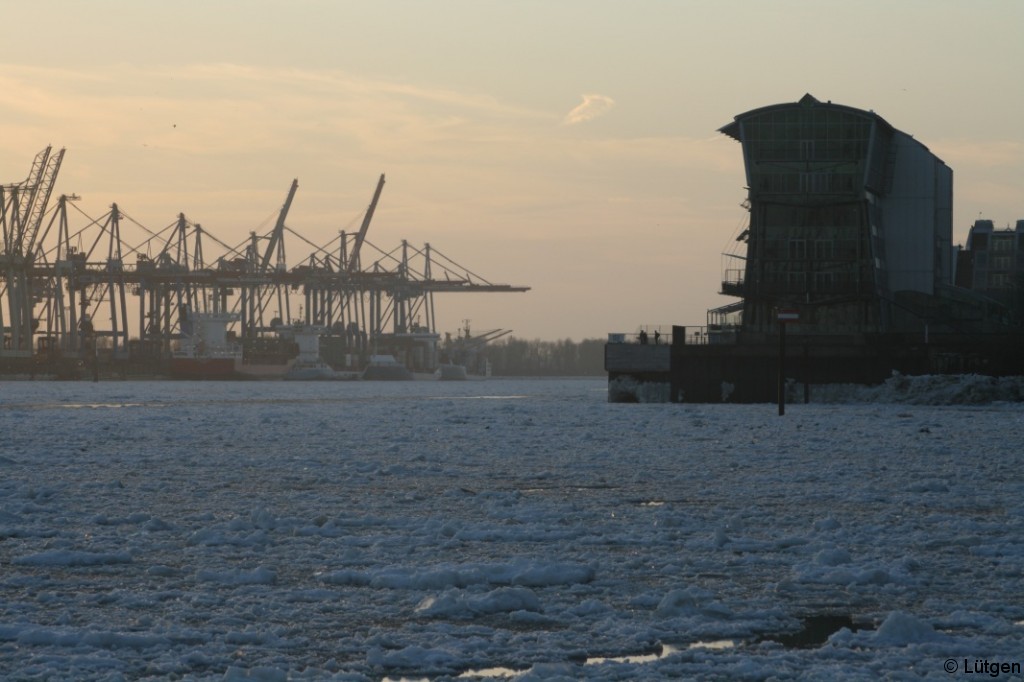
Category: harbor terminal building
<point>849,244</point>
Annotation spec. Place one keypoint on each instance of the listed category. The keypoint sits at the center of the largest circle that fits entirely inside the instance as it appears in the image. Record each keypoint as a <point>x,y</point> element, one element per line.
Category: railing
<point>709,335</point>
<point>655,335</point>
<point>734,276</point>
<point>733,281</point>
<point>691,336</point>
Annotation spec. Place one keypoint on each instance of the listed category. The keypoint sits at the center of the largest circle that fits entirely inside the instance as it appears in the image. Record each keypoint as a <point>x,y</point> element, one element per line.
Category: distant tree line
<point>519,357</point>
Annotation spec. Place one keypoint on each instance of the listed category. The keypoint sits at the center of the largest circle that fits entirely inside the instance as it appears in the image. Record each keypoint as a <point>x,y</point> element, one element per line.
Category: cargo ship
<point>204,350</point>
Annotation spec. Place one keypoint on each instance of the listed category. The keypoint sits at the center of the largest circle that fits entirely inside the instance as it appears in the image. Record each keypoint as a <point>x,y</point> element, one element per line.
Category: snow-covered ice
<point>502,528</point>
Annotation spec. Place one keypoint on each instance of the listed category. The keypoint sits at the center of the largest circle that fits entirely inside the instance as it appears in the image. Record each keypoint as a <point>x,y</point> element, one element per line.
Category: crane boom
<point>22,204</point>
<point>276,235</point>
<point>31,184</point>
<point>42,199</point>
<point>353,261</point>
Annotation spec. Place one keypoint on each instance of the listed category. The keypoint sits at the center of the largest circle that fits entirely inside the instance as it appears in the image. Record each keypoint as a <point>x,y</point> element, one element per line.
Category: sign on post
<point>784,315</point>
<point>788,315</point>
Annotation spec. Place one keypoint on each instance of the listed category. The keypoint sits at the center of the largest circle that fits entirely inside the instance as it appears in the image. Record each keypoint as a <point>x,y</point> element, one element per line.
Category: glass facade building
<point>850,220</point>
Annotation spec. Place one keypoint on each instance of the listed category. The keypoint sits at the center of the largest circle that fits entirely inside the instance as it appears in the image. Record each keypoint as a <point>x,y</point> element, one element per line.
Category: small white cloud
<point>590,108</point>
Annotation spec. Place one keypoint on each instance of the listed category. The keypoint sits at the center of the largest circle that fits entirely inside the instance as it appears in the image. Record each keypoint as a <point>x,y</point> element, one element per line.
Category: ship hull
<point>203,368</point>
<point>264,371</point>
<point>318,372</point>
<point>451,372</point>
<point>387,373</point>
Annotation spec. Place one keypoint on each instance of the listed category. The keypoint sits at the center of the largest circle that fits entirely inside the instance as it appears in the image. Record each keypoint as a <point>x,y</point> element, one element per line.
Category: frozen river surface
<point>500,528</point>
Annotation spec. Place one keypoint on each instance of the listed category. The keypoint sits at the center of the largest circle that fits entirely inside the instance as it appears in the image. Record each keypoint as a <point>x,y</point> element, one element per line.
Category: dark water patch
<point>815,631</point>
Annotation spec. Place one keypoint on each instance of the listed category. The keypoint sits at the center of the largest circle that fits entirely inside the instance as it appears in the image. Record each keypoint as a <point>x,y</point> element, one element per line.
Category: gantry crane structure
<point>22,207</point>
<point>65,283</point>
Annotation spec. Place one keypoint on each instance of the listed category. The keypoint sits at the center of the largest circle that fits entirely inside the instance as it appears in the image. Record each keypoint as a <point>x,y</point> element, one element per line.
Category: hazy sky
<point>566,145</point>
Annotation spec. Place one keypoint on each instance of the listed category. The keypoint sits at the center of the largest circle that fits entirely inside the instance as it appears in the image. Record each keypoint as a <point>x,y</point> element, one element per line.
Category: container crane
<point>22,217</point>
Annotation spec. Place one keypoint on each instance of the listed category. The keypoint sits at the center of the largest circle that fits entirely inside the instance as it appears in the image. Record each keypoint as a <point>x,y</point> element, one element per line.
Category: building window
<point>814,183</point>
<point>998,280</point>
<point>797,249</point>
<point>1001,262</point>
<point>823,281</point>
<point>824,249</point>
<point>778,183</point>
<point>1002,243</point>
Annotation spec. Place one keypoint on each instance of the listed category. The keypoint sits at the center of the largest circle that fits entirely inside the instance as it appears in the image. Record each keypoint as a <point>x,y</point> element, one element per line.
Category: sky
<point>568,146</point>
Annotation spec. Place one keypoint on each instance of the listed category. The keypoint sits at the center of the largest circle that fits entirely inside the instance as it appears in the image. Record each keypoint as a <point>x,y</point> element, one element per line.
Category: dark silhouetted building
<point>850,245</point>
<point>993,263</point>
